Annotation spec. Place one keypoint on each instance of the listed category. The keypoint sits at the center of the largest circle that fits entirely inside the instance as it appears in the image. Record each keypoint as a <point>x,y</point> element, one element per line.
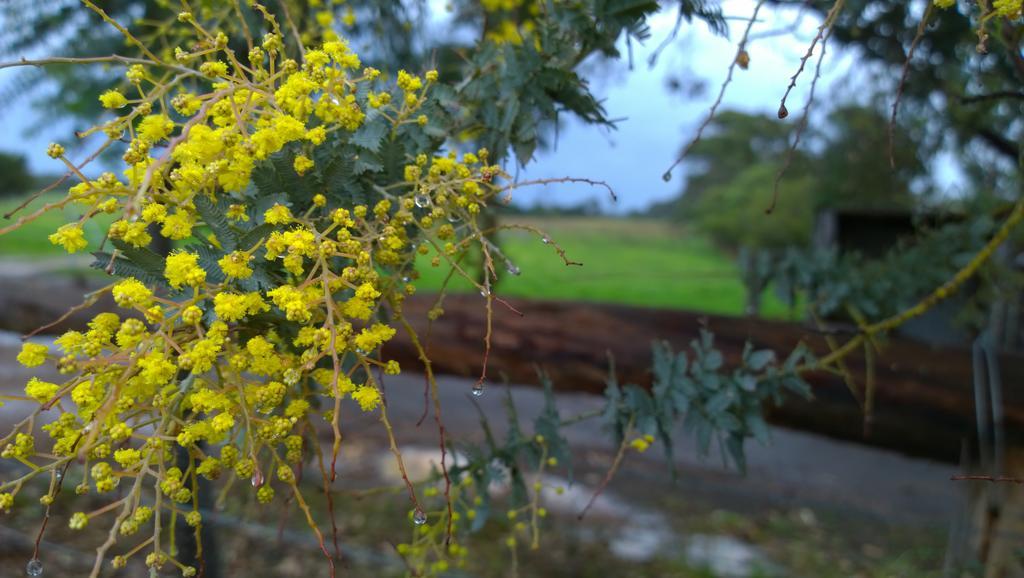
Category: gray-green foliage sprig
<point>712,401</point>
<point>695,389</point>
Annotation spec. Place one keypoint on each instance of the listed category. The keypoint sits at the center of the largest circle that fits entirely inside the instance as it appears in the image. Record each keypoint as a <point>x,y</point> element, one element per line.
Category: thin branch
<point>59,181</point>
<point>591,182</point>
<point>619,455</point>
<point>740,50</point>
<point>903,82</point>
<point>124,31</point>
<point>830,19</point>
<point>801,126</point>
<point>126,60</point>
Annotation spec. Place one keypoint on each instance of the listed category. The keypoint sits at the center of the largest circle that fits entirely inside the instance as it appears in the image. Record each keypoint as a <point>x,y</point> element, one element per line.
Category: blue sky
<point>655,122</point>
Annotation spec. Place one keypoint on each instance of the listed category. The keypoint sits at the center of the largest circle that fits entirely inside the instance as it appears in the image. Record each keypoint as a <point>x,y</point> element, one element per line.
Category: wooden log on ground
<point>924,396</point>
<point>924,400</point>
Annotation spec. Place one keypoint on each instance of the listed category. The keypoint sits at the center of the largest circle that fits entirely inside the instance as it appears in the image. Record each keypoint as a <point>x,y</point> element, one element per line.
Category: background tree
<point>961,87</point>
<point>15,177</point>
<point>733,142</point>
<point>853,168</point>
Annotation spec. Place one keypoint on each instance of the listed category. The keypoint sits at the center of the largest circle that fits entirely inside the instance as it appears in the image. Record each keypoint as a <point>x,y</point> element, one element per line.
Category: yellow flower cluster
<point>230,365</point>
<point>32,354</point>
<point>236,264</point>
<point>234,306</point>
<point>132,293</point>
<point>183,269</point>
<point>41,391</point>
<point>71,237</point>
<point>1008,8</point>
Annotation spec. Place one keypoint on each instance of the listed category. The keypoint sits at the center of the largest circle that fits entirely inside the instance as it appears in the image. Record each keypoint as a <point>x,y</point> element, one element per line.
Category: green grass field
<point>31,239</point>
<point>639,262</point>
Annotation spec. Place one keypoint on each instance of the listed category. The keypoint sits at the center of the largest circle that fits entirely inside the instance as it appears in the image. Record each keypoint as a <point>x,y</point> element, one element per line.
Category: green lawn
<point>31,239</point>
<point>630,261</point>
<point>640,262</point>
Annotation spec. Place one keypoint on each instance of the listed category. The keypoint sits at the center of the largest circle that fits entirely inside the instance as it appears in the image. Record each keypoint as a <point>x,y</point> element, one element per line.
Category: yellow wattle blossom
<point>132,233</point>
<point>154,213</point>
<point>279,131</point>
<point>222,422</point>
<point>214,69</point>
<point>368,397</point>
<point>71,237</point>
<point>317,135</point>
<point>178,226</point>
<point>294,302</point>
<point>78,521</point>
<point>210,468</point>
<point>132,293</point>
<point>41,391</point>
<point>263,356</point>
<point>154,128</point>
<point>641,444</point>
<point>131,333</point>
<point>1008,8</point>
<point>234,306</point>
<point>113,99</point>
<point>237,213</point>
<point>120,432</point>
<point>236,265</point>
<point>32,354</point>
<point>278,215</point>
<point>182,268</point>
<point>370,338</point>
<point>127,458</point>
<point>302,164</point>
<point>325,18</point>
<point>186,104</point>
<point>409,82</point>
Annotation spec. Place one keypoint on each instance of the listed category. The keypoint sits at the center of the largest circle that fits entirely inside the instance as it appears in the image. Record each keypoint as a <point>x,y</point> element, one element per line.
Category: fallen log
<point>924,399</point>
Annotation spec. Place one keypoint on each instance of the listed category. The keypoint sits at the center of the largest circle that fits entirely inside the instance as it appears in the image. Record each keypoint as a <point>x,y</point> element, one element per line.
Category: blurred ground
<point>808,506</point>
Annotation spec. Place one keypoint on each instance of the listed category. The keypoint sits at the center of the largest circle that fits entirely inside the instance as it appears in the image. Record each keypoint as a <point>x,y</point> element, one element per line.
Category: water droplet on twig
<point>422,201</point>
<point>34,567</point>
<point>419,517</point>
<point>478,390</point>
